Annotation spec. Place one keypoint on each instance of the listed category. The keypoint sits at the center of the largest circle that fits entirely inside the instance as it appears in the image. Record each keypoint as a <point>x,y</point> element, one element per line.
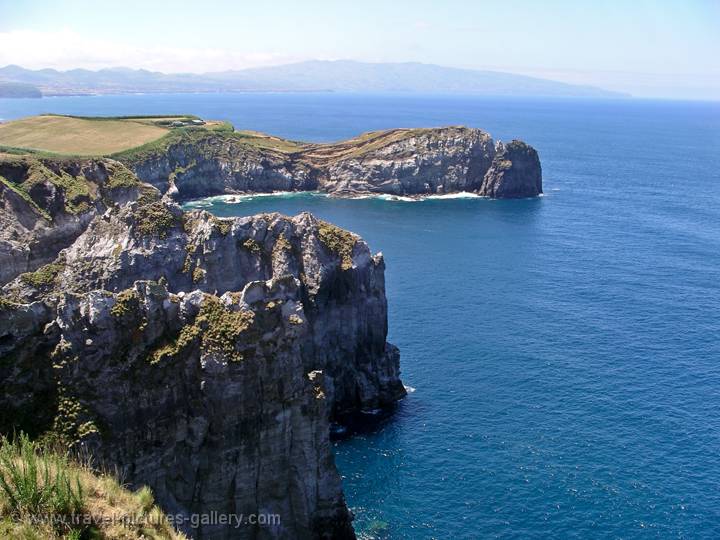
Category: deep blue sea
<point>564,351</point>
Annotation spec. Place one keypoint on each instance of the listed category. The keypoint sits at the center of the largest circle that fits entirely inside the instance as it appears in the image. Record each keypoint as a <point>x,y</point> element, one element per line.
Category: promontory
<point>188,157</point>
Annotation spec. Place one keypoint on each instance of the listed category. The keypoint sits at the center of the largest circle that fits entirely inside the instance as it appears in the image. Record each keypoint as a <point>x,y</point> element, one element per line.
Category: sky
<point>658,48</point>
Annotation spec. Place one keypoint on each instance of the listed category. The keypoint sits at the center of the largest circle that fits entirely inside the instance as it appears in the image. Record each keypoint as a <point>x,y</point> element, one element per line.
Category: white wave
<point>458,195</point>
<point>396,198</point>
<point>237,198</point>
<point>409,389</point>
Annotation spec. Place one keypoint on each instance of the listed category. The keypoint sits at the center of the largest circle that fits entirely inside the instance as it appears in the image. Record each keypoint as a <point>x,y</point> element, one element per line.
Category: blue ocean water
<point>564,351</point>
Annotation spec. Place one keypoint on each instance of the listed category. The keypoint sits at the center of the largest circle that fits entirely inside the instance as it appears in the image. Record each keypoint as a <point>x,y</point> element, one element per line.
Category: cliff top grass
<point>135,138</point>
<point>89,136</point>
<point>372,141</point>
<point>44,494</point>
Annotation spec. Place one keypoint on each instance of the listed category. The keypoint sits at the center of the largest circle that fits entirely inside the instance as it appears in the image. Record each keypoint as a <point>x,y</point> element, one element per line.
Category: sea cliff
<point>203,357</point>
<point>194,163</point>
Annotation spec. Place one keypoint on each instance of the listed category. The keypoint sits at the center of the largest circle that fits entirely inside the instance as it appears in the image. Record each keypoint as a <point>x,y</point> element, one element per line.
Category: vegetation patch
<point>44,276</point>
<point>181,170</point>
<point>46,495</point>
<point>198,275</point>
<point>155,219</point>
<point>71,423</point>
<point>127,302</point>
<point>186,337</point>
<point>281,244</point>
<point>147,195</point>
<point>222,225</point>
<point>6,303</point>
<point>217,327</point>
<point>338,241</point>
<point>121,177</point>
<point>222,327</point>
<point>77,191</point>
<point>253,246</point>
<point>25,196</point>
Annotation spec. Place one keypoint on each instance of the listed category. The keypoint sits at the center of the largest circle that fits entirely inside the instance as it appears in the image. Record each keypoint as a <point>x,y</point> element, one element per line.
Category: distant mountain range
<point>311,76</point>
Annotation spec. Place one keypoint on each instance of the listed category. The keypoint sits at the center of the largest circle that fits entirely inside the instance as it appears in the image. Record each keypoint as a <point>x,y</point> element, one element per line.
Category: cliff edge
<point>205,358</point>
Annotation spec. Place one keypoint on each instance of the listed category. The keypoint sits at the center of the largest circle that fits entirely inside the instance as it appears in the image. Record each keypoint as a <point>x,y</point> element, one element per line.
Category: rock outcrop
<point>205,358</point>
<point>514,172</point>
<point>194,163</point>
<point>45,204</point>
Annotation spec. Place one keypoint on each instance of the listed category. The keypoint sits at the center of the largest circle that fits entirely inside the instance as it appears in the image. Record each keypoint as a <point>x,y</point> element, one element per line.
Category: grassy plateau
<point>88,136</point>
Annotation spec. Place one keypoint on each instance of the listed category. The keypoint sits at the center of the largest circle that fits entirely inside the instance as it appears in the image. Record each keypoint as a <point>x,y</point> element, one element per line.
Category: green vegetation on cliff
<point>46,495</point>
<point>80,183</point>
<point>339,241</point>
<point>23,194</point>
<point>217,326</point>
<point>44,276</point>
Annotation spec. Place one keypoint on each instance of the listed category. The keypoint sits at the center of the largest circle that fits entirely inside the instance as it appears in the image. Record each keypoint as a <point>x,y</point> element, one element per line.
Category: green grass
<point>46,495</point>
<point>73,135</point>
<point>34,482</point>
<point>25,196</point>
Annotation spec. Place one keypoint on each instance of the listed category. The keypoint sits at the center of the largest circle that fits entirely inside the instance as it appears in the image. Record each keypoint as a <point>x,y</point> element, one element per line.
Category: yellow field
<point>67,135</point>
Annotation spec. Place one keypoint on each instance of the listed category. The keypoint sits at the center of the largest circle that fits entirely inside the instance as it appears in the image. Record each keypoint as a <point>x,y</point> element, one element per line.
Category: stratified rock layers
<point>400,162</point>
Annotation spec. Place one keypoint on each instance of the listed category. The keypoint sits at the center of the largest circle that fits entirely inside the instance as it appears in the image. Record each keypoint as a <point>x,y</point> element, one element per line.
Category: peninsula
<point>187,157</point>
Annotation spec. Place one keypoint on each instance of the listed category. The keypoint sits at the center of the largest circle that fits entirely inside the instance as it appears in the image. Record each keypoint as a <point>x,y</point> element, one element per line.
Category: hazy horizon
<point>640,48</point>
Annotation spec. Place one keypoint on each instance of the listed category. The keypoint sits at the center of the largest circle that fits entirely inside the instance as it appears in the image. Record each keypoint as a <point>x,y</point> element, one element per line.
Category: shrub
<point>43,276</point>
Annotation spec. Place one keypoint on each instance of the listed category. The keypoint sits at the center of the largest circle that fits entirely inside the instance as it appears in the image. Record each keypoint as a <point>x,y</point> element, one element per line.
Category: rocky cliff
<point>45,204</point>
<point>194,163</point>
<point>205,358</point>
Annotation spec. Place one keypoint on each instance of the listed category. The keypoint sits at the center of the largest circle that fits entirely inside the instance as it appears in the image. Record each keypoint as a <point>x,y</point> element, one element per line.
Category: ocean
<point>563,352</point>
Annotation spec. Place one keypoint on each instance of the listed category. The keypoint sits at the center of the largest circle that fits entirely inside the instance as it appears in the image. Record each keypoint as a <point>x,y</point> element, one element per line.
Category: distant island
<point>310,76</point>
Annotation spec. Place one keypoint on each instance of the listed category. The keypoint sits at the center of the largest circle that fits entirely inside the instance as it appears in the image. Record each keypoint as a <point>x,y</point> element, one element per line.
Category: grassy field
<point>82,135</point>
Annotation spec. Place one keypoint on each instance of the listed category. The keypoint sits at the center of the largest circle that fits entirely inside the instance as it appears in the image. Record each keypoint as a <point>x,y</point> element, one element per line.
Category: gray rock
<point>45,204</point>
<point>205,358</point>
<point>515,172</point>
<point>411,162</point>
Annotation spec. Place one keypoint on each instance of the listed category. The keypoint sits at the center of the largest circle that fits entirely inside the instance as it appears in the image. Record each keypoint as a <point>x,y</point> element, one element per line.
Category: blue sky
<point>649,48</point>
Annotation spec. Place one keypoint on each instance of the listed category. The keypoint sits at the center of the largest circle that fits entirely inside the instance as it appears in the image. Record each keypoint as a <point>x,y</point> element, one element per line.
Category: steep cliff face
<point>514,172</point>
<point>45,204</point>
<point>405,162</point>
<point>197,163</point>
<point>205,357</point>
